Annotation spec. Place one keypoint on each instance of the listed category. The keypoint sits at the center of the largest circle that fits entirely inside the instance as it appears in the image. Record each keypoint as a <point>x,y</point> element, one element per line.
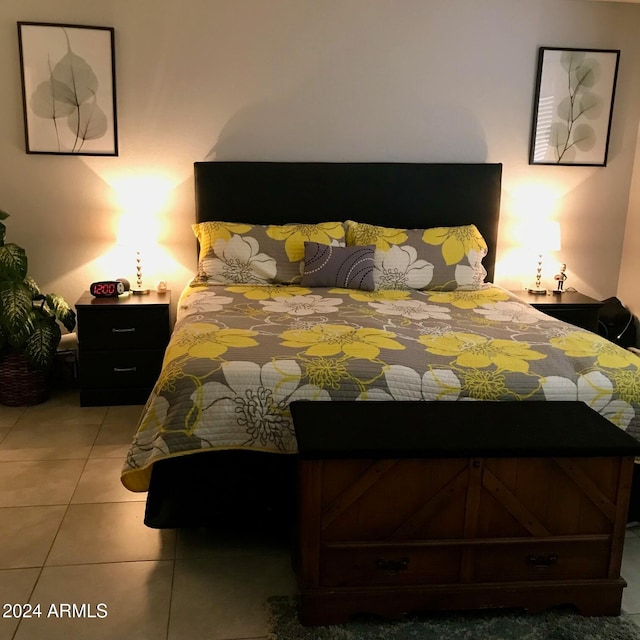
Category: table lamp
<point>139,289</point>
<point>134,235</point>
<point>542,237</point>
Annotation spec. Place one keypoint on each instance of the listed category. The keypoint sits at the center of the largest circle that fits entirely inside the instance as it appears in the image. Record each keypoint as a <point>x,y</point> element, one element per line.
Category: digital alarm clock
<point>107,289</point>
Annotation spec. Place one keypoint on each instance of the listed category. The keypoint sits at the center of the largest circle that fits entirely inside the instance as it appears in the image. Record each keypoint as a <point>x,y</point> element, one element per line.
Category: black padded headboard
<point>407,195</point>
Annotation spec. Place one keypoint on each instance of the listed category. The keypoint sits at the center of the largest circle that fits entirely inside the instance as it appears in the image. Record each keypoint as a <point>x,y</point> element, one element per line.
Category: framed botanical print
<point>68,89</point>
<point>573,106</point>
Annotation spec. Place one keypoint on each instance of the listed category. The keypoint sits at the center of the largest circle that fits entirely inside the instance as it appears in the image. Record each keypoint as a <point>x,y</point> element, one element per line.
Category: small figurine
<point>560,277</point>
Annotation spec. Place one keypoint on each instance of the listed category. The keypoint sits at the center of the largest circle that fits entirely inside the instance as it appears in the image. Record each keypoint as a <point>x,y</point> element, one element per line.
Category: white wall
<point>629,285</point>
<point>406,80</point>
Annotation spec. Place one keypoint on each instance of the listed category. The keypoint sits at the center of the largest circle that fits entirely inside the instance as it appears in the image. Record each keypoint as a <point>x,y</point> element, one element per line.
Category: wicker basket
<point>20,384</point>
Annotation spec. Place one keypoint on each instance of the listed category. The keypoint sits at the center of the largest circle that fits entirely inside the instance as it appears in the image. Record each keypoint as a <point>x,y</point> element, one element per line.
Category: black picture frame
<point>68,89</point>
<point>573,106</point>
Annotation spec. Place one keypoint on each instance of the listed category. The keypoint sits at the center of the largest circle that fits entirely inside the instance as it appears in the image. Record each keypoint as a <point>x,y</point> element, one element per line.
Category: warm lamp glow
<point>534,201</point>
<point>133,189</point>
<point>141,200</point>
<point>144,195</point>
<point>540,237</point>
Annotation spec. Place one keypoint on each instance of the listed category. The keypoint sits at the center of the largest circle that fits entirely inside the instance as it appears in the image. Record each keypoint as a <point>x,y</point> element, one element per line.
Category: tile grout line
<point>73,493</point>
<point>173,578</point>
<point>171,585</point>
<point>68,504</point>
<point>64,515</point>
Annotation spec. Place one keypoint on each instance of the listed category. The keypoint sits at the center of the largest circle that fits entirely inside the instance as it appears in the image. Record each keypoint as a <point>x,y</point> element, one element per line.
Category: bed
<point>263,324</point>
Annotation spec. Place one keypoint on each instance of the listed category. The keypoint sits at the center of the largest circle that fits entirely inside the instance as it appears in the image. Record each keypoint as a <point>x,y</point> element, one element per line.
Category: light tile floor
<point>70,534</point>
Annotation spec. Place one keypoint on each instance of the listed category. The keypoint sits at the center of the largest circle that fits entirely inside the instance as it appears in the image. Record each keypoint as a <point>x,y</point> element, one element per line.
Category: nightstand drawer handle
<point>131,330</point>
<point>392,565</point>
<point>124,369</point>
<point>542,561</point>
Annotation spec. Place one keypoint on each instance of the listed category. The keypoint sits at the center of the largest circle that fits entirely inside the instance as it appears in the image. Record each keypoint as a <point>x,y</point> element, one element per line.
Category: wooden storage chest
<point>411,506</point>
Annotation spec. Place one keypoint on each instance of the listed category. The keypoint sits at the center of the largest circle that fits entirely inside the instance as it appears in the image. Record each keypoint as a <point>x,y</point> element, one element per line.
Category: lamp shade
<point>541,236</point>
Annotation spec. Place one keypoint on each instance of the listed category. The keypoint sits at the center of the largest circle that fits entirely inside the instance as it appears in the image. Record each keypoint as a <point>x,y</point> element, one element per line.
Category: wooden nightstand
<point>121,345</point>
<point>570,306</point>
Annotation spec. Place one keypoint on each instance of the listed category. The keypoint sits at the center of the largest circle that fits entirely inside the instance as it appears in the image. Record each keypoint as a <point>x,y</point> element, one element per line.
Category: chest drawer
<point>123,328</point>
<point>562,559</point>
<point>388,565</point>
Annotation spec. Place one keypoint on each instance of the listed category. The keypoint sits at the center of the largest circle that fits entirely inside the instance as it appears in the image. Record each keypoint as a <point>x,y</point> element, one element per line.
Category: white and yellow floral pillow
<point>235,253</point>
<point>441,258</point>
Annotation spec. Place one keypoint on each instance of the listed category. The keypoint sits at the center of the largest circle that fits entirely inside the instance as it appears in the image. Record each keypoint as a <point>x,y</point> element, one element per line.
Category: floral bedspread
<point>240,354</point>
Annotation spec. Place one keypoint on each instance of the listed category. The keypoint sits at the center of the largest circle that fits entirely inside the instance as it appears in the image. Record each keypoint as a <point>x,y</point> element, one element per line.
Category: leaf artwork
<point>567,135</point>
<point>71,93</point>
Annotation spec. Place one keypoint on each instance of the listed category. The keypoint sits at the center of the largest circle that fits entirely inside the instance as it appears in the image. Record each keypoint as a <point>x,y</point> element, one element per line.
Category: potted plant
<point>29,329</point>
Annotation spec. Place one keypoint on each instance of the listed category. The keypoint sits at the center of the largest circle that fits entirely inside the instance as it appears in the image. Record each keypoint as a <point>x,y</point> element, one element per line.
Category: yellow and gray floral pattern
<point>240,354</point>
<point>235,253</point>
<point>439,258</point>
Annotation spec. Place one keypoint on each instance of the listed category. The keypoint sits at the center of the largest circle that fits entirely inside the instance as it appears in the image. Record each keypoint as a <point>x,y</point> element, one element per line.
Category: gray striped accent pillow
<point>329,266</point>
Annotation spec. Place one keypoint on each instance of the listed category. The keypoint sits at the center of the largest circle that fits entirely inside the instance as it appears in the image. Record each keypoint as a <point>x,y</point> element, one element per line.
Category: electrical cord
<point>625,327</point>
<point>606,330</point>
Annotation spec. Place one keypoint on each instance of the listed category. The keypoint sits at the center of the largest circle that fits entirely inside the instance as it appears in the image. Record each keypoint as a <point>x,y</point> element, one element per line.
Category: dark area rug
<point>557,624</point>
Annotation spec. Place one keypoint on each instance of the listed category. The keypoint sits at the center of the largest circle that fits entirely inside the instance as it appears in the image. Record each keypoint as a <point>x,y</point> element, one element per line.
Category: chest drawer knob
<point>128,330</point>
<point>542,561</point>
<point>124,369</point>
<point>392,565</point>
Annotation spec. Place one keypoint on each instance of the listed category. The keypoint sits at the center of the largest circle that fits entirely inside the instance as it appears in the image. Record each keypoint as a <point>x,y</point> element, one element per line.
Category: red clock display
<point>106,289</point>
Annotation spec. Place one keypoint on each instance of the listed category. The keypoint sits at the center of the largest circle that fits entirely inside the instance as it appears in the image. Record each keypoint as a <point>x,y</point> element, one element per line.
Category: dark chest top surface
<point>455,429</point>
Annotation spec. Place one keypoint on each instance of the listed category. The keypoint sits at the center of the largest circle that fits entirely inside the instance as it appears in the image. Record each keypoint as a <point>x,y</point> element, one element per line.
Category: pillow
<point>346,267</point>
<point>441,258</point>
<point>235,253</point>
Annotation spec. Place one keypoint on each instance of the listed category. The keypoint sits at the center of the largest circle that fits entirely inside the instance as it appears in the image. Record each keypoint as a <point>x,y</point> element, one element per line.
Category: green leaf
<point>3,216</point>
<point>13,262</point>
<point>41,345</point>
<point>62,311</point>
<point>28,318</point>
<point>30,283</point>
<point>17,310</point>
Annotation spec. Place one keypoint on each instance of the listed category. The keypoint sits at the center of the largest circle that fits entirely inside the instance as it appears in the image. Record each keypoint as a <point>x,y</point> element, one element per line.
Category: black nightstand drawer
<point>120,369</point>
<point>121,346</point>
<point>585,318</point>
<point>570,306</point>
<point>123,328</point>
<point>108,397</point>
